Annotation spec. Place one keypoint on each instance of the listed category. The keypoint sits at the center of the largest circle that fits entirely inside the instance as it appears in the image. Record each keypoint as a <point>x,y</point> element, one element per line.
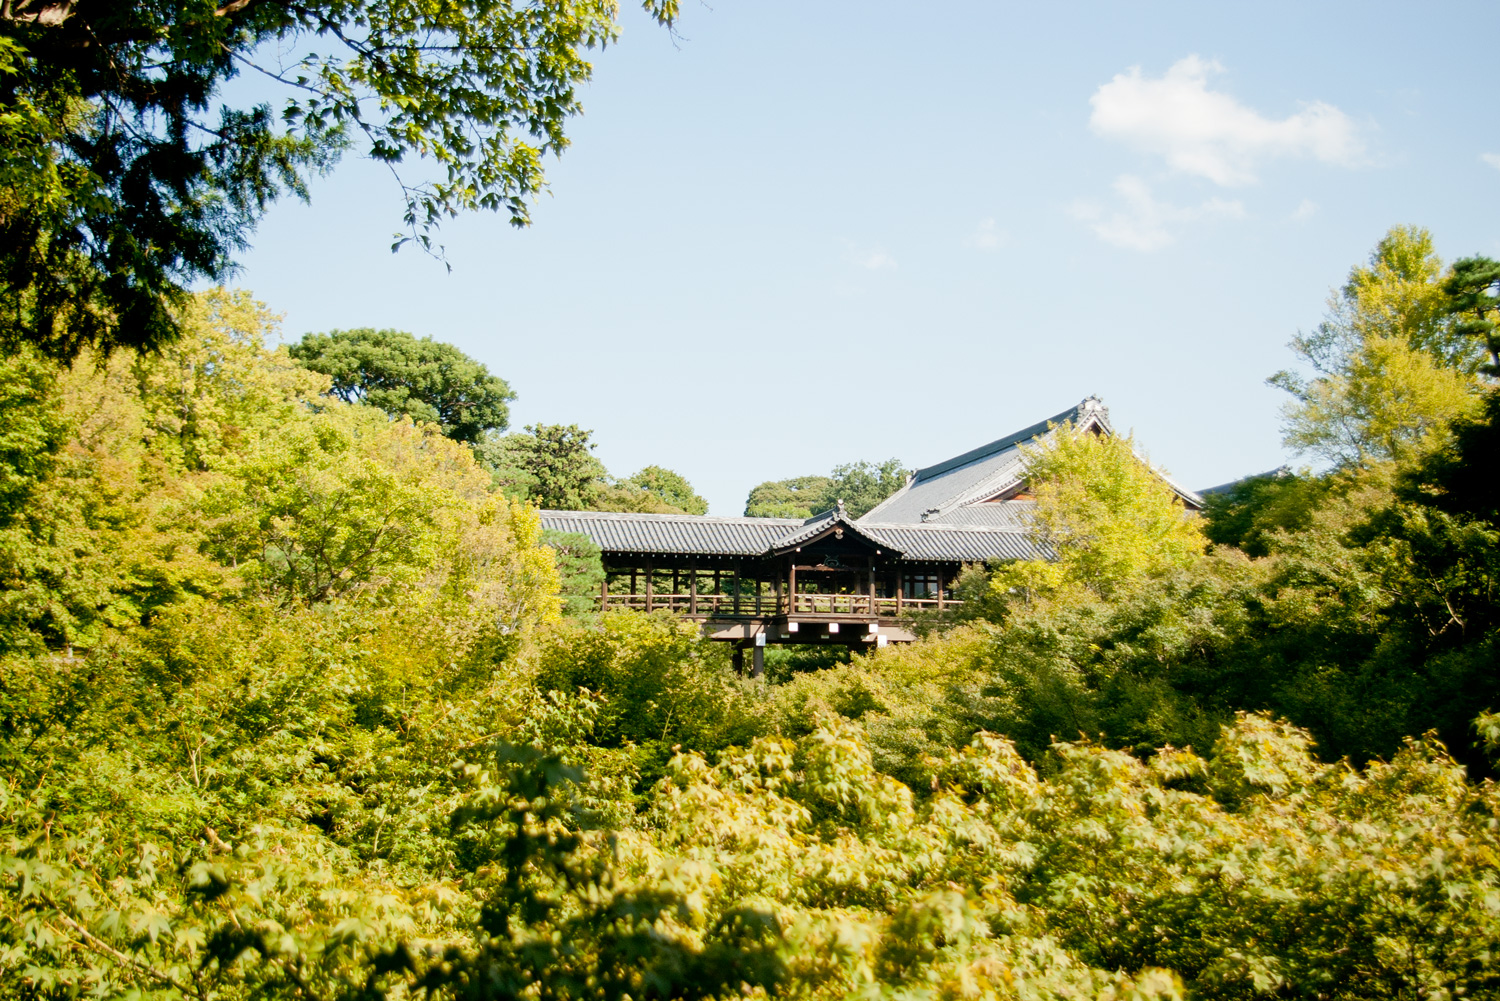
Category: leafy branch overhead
<point>124,177</point>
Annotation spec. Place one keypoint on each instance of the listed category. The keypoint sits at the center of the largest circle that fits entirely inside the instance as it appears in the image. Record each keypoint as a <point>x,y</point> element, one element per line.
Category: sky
<point>798,234</point>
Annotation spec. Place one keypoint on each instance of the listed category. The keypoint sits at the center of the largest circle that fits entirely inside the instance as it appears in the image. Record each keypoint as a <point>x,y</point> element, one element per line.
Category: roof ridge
<point>1087,407</point>
<point>668,516</point>
<point>938,526</point>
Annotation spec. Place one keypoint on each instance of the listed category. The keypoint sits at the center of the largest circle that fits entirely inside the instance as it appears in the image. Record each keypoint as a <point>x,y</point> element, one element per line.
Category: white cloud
<point>1305,210</point>
<point>1141,222</point>
<point>986,236</point>
<point>1493,159</point>
<point>869,258</point>
<point>1209,133</point>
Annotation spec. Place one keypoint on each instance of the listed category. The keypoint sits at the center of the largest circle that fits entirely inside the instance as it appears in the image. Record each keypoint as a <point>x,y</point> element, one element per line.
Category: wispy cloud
<point>986,236</point>
<point>1139,221</point>
<point>1305,210</point>
<point>1210,134</point>
<point>1493,159</point>
<point>868,257</point>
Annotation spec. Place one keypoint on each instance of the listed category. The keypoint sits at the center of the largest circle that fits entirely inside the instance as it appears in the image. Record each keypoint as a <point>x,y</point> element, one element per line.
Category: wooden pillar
<point>791,600</point>
<point>604,593</point>
<point>676,582</point>
<point>632,580</point>
<point>778,594</point>
<point>758,662</point>
<point>735,581</point>
<point>757,606</point>
<point>650,580</point>
<point>739,659</point>
<point>940,588</point>
<point>693,586</point>
<point>900,590</point>
<point>872,585</point>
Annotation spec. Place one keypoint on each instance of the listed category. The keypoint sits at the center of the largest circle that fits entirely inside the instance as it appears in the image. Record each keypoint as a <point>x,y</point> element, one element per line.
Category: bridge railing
<point>767,605</point>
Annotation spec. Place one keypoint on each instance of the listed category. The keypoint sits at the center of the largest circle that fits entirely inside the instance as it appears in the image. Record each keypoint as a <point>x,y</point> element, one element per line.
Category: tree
<point>671,488</point>
<point>1111,523</point>
<point>860,485</point>
<point>1250,511</point>
<point>798,497</point>
<point>1391,368</point>
<point>550,464</point>
<point>403,375</point>
<point>1473,290</point>
<point>123,180</point>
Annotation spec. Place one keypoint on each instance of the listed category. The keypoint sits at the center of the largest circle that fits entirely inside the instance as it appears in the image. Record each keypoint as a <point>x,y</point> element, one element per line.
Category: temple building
<point>830,578</point>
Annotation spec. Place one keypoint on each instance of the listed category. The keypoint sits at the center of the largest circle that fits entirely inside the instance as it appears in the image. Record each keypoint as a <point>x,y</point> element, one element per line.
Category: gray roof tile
<point>1014,515</point>
<point>956,543</point>
<point>684,534</point>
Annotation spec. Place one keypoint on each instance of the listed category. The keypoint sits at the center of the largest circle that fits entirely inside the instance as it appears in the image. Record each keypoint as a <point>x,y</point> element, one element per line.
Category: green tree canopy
<point>860,485</point>
<point>1110,521</point>
<point>124,178</point>
<point>798,497</point>
<point>420,378</point>
<point>671,488</point>
<point>1473,290</point>
<point>1390,366</point>
<point>550,464</point>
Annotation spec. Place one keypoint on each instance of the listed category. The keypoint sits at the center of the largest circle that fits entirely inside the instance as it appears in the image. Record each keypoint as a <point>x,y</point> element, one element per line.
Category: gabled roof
<point>697,535</point>
<point>837,520</point>
<point>950,512</point>
<point>979,473</point>
<point>952,491</point>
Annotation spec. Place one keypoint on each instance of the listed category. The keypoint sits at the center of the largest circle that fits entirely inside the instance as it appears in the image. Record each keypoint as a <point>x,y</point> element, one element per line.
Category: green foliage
<point>658,685</point>
<point>799,497</point>
<point>1391,368</point>
<point>580,568</point>
<point>550,464</point>
<point>123,180</point>
<point>1109,521</point>
<point>862,485</point>
<point>33,433</point>
<point>859,485</point>
<point>1473,290</point>
<point>404,376</point>
<point>671,488</point>
<point>1250,511</point>
<point>1459,479</point>
<point>213,469</point>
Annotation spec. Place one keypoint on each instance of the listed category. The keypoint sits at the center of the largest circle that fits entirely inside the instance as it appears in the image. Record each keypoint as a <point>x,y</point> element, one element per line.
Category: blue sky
<point>802,234</point>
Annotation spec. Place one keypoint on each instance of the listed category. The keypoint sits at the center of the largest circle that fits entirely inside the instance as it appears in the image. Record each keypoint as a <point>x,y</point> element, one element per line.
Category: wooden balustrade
<point>766,605</point>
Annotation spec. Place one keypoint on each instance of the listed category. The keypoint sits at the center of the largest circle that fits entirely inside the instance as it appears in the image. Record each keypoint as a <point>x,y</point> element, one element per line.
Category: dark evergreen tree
<point>418,377</point>
<point>1473,290</point>
<point>124,179</point>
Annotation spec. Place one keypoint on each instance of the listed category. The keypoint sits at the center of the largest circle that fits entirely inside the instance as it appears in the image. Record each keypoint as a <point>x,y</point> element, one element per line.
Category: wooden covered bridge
<point>830,578</point>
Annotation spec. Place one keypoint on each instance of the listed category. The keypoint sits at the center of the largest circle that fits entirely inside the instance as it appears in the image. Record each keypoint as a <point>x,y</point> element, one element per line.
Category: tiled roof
<point>685,534</point>
<point>937,516</point>
<point>977,474</point>
<point>819,524</point>
<point>1014,515</point>
<point>955,543</point>
<point>939,491</point>
<point>688,535</point>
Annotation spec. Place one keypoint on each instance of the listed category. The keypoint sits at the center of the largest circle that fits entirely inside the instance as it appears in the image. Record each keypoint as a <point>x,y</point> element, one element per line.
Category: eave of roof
<point>832,521</point>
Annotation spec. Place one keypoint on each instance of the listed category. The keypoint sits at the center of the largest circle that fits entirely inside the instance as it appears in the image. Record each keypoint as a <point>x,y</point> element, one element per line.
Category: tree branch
<point>99,945</point>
